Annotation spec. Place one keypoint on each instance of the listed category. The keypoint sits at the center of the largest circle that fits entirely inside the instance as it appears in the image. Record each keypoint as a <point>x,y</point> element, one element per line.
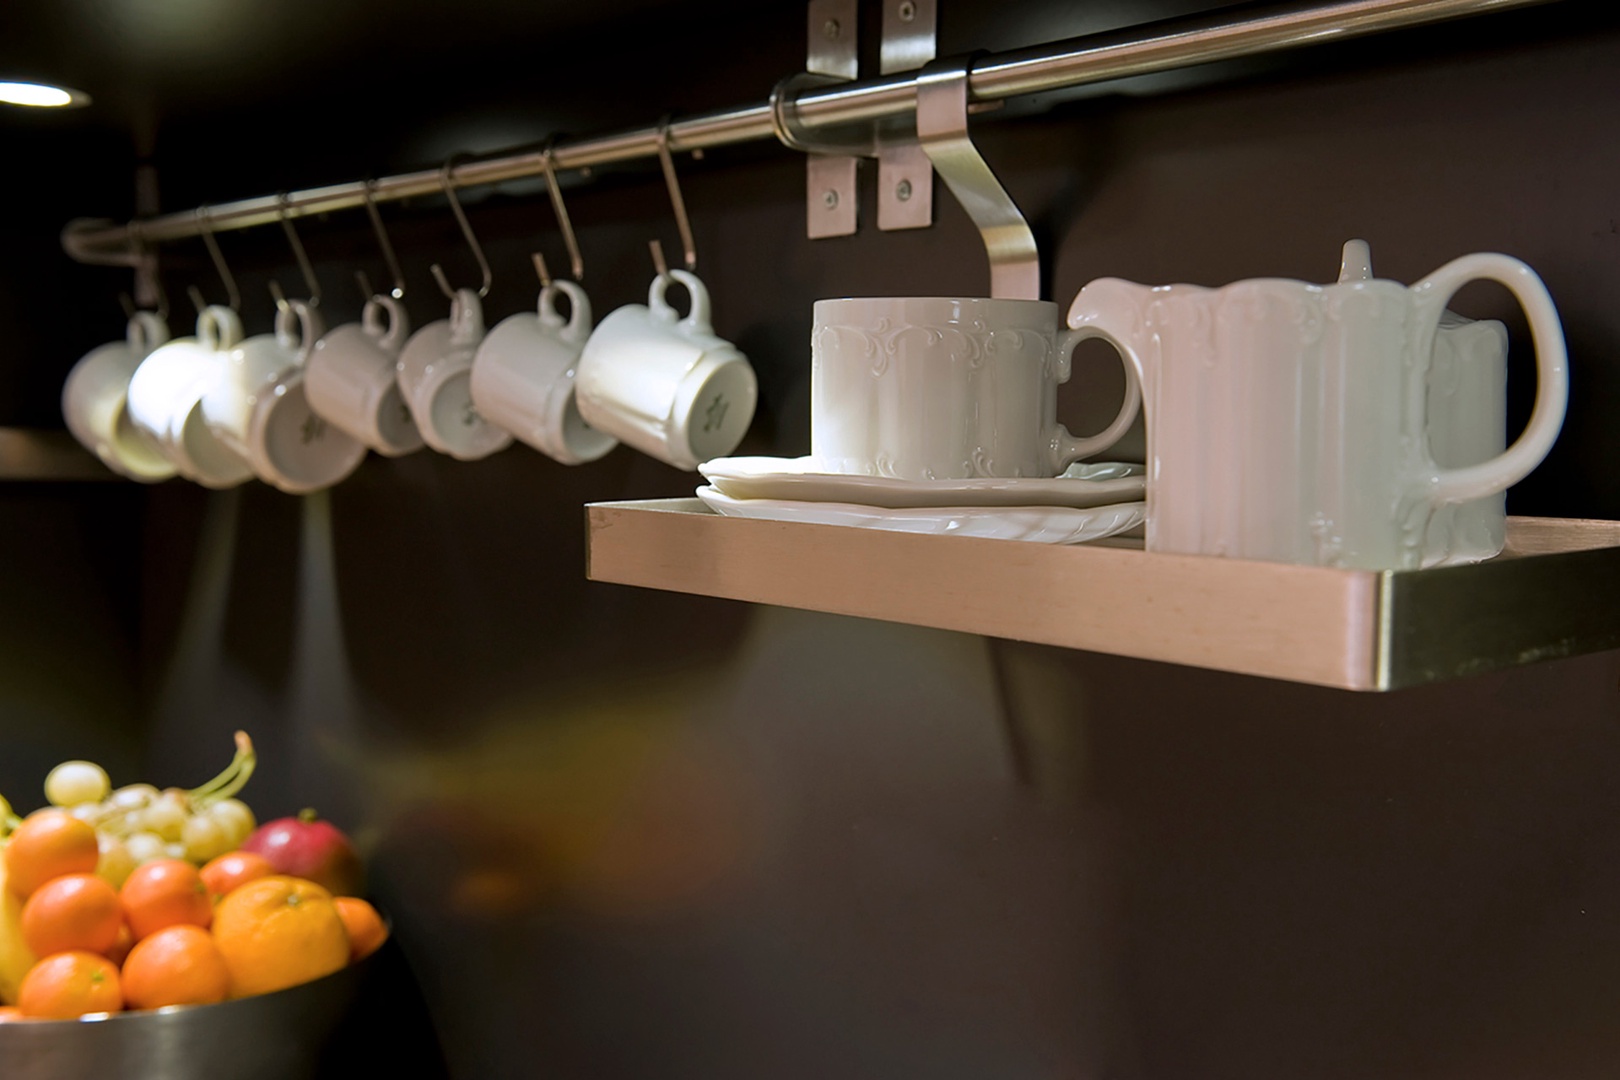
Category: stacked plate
<point>1088,502</point>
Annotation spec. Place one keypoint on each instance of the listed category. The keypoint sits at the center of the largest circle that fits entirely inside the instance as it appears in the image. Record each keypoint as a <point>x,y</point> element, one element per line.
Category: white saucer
<point>1040,524</point>
<point>802,480</point>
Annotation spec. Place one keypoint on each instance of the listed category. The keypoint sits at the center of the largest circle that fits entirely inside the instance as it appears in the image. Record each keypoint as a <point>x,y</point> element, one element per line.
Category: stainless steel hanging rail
<point>1074,62</point>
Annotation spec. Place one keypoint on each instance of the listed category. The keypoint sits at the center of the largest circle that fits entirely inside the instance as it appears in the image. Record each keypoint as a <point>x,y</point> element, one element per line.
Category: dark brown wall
<point>625,833</point>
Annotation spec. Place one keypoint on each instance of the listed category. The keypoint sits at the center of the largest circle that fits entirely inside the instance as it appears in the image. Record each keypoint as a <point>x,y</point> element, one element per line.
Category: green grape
<point>116,862</point>
<point>74,782</point>
<point>143,847</point>
<point>236,818</point>
<point>205,837</point>
<point>167,816</point>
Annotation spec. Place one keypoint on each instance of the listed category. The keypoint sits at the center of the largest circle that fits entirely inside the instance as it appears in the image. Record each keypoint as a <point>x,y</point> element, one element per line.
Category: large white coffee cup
<point>352,382</point>
<point>95,402</point>
<point>259,409</point>
<point>945,388</point>
<point>165,400</point>
<point>523,378</point>
<point>666,385</point>
<point>435,377</point>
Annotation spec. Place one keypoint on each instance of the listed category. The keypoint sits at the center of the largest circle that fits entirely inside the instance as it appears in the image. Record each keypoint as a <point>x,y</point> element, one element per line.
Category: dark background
<point>625,833</point>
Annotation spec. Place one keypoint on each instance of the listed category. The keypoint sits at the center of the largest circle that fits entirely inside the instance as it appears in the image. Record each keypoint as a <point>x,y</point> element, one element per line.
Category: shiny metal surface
<point>278,1036</point>
<point>1060,64</point>
<point>905,172</point>
<point>942,131</point>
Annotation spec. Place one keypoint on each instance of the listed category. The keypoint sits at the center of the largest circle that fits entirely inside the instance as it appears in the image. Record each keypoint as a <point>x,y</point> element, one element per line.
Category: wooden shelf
<point>1554,592</point>
<point>28,454</point>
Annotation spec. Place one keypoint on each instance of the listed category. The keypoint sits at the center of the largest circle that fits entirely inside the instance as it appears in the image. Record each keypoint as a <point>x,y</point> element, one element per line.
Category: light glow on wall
<point>40,95</point>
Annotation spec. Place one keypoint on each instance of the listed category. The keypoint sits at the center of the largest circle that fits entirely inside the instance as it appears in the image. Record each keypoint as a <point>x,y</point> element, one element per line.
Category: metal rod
<point>1079,61</point>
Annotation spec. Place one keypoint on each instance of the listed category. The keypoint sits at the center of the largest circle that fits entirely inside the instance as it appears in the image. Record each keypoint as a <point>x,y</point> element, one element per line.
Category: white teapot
<point>1291,422</point>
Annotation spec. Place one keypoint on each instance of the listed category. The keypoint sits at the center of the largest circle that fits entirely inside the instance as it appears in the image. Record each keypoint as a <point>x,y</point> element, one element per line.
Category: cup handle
<point>385,322</point>
<point>1552,373</point>
<point>298,326</point>
<point>218,327</point>
<point>1066,449</point>
<point>146,331</point>
<point>579,310</point>
<point>698,318</point>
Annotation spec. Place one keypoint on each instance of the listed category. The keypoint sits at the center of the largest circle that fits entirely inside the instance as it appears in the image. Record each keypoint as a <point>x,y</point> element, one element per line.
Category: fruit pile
<point>142,899</point>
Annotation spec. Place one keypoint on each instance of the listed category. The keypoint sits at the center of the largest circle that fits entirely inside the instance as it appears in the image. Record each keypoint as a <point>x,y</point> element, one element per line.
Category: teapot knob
<point>1356,265</point>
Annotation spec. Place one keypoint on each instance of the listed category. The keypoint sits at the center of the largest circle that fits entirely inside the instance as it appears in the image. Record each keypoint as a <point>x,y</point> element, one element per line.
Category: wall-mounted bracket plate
<point>832,200</point>
<point>905,174</point>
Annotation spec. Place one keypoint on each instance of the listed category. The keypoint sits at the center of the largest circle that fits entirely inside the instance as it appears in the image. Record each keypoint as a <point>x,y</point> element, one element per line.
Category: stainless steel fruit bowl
<point>277,1036</point>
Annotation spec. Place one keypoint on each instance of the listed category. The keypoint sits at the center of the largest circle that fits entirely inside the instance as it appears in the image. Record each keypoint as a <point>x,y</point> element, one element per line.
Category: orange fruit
<point>225,873</point>
<point>120,950</point>
<point>180,965</point>
<point>278,932</point>
<point>48,844</point>
<point>10,1013</point>
<point>75,912</point>
<point>163,893</point>
<point>69,985</point>
<point>365,927</point>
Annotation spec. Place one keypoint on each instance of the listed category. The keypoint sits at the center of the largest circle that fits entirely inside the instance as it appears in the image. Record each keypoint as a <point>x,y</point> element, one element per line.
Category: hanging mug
<point>523,377</point>
<point>95,402</point>
<point>435,378</point>
<point>352,379</point>
<point>664,384</point>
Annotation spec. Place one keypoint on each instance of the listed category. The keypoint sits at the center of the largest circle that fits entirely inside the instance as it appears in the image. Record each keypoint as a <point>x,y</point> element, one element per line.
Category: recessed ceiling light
<point>41,95</point>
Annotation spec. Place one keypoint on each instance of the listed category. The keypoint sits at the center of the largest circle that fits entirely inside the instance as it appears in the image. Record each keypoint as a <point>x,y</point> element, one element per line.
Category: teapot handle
<point>1552,373</point>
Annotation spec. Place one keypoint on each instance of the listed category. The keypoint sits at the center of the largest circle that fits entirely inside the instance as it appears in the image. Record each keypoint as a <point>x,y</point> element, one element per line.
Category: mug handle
<point>298,326</point>
<point>145,331</point>
<point>1552,373</point>
<point>698,318</point>
<point>398,324</point>
<point>218,328</point>
<point>1065,448</point>
<point>579,310</point>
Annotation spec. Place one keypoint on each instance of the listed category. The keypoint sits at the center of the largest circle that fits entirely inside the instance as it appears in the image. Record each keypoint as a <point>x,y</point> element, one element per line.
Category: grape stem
<point>232,779</point>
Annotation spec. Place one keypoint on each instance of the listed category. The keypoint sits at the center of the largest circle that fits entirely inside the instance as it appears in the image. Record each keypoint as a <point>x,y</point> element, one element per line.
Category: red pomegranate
<point>315,850</point>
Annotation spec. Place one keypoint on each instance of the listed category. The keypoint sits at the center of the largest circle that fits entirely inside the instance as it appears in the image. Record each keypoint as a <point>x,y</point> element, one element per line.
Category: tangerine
<point>365,927</point>
<point>278,932</point>
<point>180,965</point>
<point>48,844</point>
<point>70,985</point>
<point>164,893</point>
<point>75,912</point>
<point>226,872</point>
<point>10,1014</point>
<point>120,950</point>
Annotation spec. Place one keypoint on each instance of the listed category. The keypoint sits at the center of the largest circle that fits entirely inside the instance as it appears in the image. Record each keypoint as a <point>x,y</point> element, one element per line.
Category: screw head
<point>908,10</point>
<point>902,190</point>
<point>831,29</point>
<point>830,199</point>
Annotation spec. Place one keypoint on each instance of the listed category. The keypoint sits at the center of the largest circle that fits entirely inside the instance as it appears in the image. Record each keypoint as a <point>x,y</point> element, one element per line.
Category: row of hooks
<point>447,185</point>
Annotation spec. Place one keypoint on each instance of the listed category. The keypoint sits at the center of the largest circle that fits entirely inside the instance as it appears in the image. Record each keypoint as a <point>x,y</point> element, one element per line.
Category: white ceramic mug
<point>352,382</point>
<point>1467,402</point>
<point>523,378</point>
<point>95,402</point>
<point>435,377</point>
<point>665,385</point>
<point>165,400</point>
<point>259,409</point>
<point>942,388</point>
<point>1288,421</point>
